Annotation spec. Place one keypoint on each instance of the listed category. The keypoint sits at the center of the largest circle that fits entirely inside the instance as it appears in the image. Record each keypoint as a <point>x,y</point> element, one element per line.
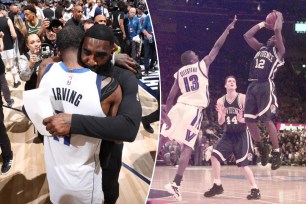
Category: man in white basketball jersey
<point>72,162</point>
<point>186,115</point>
<point>106,128</point>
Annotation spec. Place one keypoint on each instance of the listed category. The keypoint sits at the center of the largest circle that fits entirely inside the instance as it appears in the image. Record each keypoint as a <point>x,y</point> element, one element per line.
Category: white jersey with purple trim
<point>72,162</point>
<point>193,82</point>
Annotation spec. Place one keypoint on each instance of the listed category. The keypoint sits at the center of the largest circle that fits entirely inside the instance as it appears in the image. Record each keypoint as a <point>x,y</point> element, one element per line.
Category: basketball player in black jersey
<point>261,102</point>
<point>235,139</point>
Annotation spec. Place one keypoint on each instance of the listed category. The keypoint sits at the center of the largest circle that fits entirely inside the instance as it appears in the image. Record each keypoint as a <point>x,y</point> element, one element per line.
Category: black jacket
<point>123,127</point>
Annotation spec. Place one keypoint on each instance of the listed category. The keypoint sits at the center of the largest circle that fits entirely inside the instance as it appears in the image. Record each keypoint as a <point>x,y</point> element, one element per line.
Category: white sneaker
<point>175,190</point>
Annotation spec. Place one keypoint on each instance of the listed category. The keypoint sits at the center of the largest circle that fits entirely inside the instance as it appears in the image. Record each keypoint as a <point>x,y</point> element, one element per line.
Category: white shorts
<point>185,124</point>
<point>8,58</point>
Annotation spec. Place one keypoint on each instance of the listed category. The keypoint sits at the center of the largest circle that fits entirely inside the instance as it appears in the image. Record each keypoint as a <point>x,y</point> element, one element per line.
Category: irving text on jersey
<point>66,94</point>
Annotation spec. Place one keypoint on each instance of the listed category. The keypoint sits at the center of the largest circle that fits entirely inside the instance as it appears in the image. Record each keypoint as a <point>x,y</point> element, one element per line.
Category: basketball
<point>270,20</point>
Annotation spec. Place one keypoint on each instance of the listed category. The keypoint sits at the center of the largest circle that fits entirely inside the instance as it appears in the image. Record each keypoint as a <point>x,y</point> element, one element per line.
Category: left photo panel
<point>79,105</point>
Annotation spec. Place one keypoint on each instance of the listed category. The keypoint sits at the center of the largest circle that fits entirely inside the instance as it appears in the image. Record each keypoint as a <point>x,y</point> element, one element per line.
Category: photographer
<point>28,63</point>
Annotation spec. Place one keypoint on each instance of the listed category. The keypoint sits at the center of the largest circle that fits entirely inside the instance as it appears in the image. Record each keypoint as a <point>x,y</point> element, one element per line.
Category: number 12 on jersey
<point>260,64</point>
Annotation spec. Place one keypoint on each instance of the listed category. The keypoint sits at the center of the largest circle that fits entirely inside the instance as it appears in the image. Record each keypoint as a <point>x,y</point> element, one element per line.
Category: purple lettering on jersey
<point>186,84</point>
<point>188,136</point>
<point>194,83</point>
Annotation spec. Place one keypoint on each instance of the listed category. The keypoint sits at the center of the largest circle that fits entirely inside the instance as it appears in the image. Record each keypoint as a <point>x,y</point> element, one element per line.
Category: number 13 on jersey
<point>191,83</point>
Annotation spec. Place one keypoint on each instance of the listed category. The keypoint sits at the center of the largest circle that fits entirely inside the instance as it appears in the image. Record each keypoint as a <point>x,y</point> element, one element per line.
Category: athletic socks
<point>217,181</point>
<point>15,79</point>
<point>178,179</point>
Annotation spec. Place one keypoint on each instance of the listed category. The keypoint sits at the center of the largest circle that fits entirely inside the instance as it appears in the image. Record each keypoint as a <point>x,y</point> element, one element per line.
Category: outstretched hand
<point>279,15</point>
<point>221,109</point>
<point>232,24</point>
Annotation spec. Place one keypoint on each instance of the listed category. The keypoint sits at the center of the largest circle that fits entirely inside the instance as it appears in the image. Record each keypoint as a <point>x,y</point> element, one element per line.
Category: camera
<point>46,51</point>
<point>55,25</point>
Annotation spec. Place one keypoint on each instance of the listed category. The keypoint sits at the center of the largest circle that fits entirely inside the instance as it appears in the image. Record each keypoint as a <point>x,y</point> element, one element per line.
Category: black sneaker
<point>6,166</point>
<point>17,84</point>
<point>255,194</point>
<point>276,160</point>
<point>10,104</point>
<point>215,190</point>
<point>264,152</point>
<point>148,128</point>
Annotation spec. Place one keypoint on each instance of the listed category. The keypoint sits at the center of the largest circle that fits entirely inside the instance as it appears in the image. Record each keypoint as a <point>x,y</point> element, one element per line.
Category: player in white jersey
<point>186,115</point>
<point>72,162</point>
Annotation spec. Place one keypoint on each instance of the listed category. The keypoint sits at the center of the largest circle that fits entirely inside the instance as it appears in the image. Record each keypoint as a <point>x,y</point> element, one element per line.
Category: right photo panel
<point>233,98</point>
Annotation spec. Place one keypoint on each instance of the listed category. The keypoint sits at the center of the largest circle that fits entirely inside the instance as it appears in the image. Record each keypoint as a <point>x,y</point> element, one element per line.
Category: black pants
<point>110,158</point>
<point>149,53</point>
<point>154,116</point>
<point>151,118</point>
<point>5,143</point>
<point>119,36</point>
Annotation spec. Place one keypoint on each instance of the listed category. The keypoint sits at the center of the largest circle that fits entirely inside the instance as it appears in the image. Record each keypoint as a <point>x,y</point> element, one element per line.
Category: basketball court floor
<point>286,185</point>
<point>27,183</point>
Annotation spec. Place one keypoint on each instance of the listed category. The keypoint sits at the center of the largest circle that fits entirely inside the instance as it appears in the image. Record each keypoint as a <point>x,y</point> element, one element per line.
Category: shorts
<point>261,102</point>
<point>8,57</point>
<point>240,144</point>
<point>185,124</point>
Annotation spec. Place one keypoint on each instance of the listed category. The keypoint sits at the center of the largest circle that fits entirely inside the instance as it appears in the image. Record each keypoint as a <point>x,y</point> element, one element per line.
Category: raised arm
<point>219,43</point>
<point>278,35</point>
<point>249,36</point>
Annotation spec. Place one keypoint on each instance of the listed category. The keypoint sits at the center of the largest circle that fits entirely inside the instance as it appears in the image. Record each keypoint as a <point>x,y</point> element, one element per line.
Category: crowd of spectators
<point>41,20</point>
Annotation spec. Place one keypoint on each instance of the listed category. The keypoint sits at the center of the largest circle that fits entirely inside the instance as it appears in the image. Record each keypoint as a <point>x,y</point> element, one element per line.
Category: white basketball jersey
<point>193,83</point>
<point>72,162</point>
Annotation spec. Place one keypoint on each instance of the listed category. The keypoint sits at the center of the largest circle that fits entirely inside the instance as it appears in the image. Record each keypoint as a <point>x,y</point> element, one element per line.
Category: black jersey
<point>264,64</point>
<point>8,41</point>
<point>231,122</point>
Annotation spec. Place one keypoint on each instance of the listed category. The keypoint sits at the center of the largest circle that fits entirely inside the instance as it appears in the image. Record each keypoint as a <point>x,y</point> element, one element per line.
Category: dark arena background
<point>182,25</point>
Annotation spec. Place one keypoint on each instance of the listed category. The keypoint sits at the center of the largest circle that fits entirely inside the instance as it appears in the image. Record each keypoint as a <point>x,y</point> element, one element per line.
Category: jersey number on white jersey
<point>191,83</point>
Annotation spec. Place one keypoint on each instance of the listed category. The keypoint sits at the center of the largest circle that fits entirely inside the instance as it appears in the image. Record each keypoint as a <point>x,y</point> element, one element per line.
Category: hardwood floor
<point>27,183</point>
